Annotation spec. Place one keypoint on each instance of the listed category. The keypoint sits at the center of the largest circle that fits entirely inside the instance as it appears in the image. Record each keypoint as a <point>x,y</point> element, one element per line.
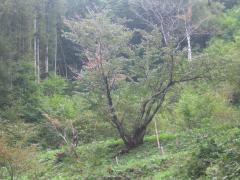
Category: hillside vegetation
<point>119,89</point>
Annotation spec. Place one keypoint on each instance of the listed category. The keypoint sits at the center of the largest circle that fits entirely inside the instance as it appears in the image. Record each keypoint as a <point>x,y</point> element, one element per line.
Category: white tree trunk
<point>36,50</point>
<point>35,46</point>
<point>189,44</point>
<point>55,56</point>
<point>47,40</point>
<point>38,60</point>
<point>46,57</point>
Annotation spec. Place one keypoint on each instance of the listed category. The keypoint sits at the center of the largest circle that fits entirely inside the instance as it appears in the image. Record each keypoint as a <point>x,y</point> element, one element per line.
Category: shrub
<point>204,158</point>
<point>14,161</point>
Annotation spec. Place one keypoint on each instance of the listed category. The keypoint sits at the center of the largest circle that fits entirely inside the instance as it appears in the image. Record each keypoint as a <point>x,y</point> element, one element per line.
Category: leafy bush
<point>228,165</point>
<point>14,161</point>
<point>196,110</point>
<point>19,92</point>
<point>53,85</point>
<point>204,158</point>
<point>218,157</point>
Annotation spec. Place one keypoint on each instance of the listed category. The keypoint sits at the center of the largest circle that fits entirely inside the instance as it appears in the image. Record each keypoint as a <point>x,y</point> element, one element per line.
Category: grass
<point>96,160</point>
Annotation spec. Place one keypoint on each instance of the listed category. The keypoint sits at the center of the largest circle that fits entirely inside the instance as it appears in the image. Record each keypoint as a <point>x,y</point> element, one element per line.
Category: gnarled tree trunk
<point>137,138</point>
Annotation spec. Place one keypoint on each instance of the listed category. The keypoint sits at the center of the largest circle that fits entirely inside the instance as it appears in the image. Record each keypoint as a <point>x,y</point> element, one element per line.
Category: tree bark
<point>47,39</point>
<point>35,46</point>
<point>38,60</point>
<point>112,110</point>
<point>137,138</point>
<point>189,44</point>
<point>46,58</point>
<point>56,52</point>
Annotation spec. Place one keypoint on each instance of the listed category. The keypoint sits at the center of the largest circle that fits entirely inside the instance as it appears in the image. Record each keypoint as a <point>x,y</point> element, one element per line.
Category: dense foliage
<point>126,89</point>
